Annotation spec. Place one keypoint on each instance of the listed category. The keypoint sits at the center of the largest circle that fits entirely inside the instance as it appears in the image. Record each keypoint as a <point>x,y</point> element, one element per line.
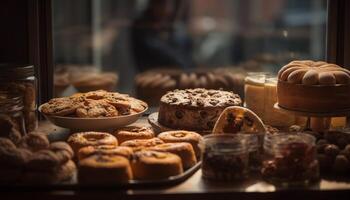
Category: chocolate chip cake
<point>194,109</point>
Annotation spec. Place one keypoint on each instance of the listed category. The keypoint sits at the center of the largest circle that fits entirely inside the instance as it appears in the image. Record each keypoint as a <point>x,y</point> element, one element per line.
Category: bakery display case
<point>165,99</point>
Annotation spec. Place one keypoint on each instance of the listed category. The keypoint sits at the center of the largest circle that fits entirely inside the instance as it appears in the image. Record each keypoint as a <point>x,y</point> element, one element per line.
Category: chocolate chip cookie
<point>96,108</point>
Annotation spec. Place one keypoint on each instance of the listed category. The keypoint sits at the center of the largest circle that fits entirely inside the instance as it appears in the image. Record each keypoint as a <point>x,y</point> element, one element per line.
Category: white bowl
<point>93,124</point>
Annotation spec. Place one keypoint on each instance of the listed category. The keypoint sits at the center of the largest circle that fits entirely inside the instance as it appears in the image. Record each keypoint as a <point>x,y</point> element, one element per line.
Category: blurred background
<point>146,47</point>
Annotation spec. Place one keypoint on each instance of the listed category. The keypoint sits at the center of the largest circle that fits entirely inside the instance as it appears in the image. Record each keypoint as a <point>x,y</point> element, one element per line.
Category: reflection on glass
<point>180,43</point>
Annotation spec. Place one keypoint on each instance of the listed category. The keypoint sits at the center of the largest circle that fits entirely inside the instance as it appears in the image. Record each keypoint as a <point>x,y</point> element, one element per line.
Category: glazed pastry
<point>182,136</point>
<point>183,149</point>
<point>236,119</point>
<point>194,109</point>
<point>105,150</point>
<point>152,165</point>
<point>133,132</point>
<point>313,86</point>
<point>83,139</point>
<point>102,169</point>
<point>139,144</point>
<point>35,141</point>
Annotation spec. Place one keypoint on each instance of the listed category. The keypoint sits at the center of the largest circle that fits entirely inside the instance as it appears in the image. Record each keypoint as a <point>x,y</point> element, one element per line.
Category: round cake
<point>313,86</point>
<point>194,109</point>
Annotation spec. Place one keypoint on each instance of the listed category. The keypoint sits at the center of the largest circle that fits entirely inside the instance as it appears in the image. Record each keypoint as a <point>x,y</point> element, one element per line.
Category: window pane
<point>106,43</point>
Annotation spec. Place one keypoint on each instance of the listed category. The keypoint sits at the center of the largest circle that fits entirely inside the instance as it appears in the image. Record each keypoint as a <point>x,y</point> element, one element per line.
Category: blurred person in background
<point>159,36</point>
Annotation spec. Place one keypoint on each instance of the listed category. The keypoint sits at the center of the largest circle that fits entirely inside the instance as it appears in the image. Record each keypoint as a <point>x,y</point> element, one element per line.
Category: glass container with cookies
<point>11,116</point>
<point>20,80</point>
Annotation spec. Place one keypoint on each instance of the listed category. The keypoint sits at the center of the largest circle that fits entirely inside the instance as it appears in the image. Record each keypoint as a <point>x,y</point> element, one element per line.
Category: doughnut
<point>182,136</point>
<point>62,150</point>
<point>34,141</point>
<point>133,132</point>
<point>183,149</point>
<point>105,150</point>
<point>103,169</point>
<point>83,139</point>
<point>139,144</point>
<point>153,165</point>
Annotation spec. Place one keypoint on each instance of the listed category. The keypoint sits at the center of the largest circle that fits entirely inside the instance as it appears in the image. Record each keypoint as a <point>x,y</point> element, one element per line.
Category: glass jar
<point>224,157</point>
<point>273,116</point>
<point>11,113</point>
<point>291,160</point>
<point>254,92</point>
<point>255,151</point>
<point>20,80</point>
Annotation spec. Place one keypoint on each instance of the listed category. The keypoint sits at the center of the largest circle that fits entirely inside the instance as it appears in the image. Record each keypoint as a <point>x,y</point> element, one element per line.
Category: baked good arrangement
<point>206,126</point>
<point>313,86</point>
<point>152,85</point>
<point>34,160</point>
<point>194,109</point>
<point>101,159</point>
<point>95,104</point>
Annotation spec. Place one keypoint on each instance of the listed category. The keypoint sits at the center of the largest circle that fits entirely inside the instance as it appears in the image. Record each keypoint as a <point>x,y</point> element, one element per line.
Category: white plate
<point>93,124</point>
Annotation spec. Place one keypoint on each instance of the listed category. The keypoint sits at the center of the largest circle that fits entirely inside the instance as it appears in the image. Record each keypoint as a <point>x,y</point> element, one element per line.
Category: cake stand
<point>308,115</point>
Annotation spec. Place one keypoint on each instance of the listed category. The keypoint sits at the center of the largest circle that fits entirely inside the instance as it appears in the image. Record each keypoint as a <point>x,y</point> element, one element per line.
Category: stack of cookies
<point>95,104</point>
<point>34,160</point>
<point>101,160</point>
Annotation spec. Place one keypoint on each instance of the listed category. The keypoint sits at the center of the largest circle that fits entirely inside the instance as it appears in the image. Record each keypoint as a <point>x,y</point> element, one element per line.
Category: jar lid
<point>15,71</point>
<point>224,143</point>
